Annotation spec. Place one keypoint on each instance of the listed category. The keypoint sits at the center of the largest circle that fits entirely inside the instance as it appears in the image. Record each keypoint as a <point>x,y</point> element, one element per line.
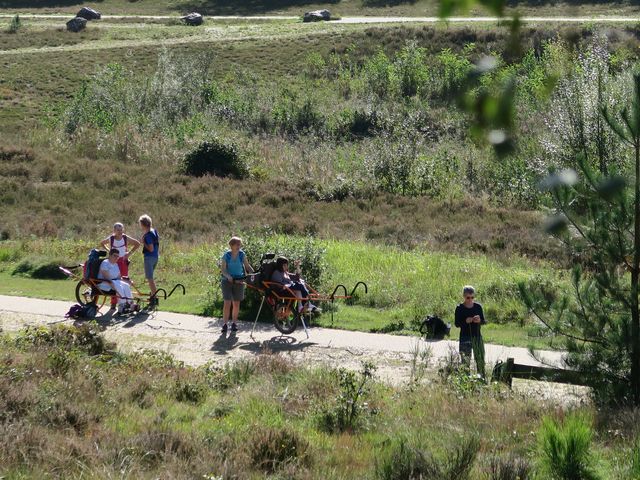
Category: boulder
<point>88,14</point>
<point>316,16</point>
<point>76,24</point>
<point>193,18</point>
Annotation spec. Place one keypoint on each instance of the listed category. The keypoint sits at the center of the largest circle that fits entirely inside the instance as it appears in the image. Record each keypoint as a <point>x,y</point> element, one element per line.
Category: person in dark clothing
<point>469,319</point>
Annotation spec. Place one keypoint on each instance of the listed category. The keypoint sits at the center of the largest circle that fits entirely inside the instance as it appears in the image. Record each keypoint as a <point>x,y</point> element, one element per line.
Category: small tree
<point>598,218</point>
<point>15,24</point>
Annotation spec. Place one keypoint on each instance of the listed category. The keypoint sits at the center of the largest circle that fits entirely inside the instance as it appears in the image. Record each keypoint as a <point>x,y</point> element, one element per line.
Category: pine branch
<point>557,331</point>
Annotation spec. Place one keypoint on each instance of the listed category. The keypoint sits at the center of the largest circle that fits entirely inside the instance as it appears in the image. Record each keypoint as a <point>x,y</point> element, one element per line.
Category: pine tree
<point>598,218</point>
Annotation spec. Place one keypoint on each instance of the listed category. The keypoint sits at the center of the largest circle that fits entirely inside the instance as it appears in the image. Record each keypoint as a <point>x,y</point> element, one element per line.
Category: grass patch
<point>404,286</point>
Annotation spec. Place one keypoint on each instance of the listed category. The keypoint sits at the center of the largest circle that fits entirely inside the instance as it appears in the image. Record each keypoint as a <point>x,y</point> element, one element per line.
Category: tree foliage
<point>598,218</point>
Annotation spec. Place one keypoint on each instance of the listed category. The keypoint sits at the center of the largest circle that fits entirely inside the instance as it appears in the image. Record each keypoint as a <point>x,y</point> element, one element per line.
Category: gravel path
<point>196,340</point>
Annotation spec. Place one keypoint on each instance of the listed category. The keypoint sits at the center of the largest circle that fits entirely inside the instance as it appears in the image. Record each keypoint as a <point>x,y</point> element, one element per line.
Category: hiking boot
<point>224,328</point>
<point>234,327</point>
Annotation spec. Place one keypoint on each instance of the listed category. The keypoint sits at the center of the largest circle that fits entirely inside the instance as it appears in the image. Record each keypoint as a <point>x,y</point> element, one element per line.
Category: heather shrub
<point>273,448</point>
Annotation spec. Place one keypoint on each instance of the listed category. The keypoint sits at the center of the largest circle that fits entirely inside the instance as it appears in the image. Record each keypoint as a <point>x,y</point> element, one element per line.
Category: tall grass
<point>566,448</point>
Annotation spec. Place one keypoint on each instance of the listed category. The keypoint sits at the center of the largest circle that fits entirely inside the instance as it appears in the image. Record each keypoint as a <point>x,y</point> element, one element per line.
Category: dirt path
<point>196,340</point>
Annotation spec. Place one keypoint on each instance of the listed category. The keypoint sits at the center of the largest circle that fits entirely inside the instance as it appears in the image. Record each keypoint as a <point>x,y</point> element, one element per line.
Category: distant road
<point>357,20</point>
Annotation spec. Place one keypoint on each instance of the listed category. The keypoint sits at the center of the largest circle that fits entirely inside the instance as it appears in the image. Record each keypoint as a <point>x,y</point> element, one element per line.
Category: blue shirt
<point>151,238</point>
<point>235,266</point>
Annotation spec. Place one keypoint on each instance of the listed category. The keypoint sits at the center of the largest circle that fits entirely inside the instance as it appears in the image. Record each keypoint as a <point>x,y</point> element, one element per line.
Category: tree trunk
<point>635,276</point>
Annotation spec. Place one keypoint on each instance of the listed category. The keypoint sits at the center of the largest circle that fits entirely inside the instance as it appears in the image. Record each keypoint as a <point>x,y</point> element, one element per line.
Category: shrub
<point>15,24</point>
<point>64,337</point>
<point>151,358</point>
<point>14,155</point>
<point>236,373</point>
<point>273,448</point>
<point>215,157</point>
<point>404,462</point>
<point>42,268</point>
<point>346,415</point>
<point>509,468</point>
<point>565,448</point>
<point>411,69</point>
<point>191,392</point>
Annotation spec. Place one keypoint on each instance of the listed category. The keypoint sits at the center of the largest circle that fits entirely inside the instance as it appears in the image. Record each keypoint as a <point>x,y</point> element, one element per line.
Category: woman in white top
<point>122,242</point>
<point>118,239</point>
<point>110,273</point>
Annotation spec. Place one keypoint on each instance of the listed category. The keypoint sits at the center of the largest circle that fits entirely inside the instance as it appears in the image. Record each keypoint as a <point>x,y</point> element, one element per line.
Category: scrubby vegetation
<point>72,405</point>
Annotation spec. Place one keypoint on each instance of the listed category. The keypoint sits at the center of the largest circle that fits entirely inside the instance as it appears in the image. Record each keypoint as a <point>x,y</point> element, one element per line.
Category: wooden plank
<point>510,370</point>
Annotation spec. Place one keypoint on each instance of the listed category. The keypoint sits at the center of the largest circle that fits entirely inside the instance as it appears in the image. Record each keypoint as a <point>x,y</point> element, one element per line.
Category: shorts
<point>232,291</point>
<point>149,267</point>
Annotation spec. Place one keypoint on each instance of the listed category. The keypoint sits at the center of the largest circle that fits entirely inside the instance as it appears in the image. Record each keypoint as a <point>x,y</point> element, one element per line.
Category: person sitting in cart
<point>294,282</point>
<point>110,273</point>
<point>123,242</point>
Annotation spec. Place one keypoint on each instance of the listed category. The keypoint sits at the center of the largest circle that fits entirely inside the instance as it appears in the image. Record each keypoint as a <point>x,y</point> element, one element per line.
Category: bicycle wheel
<point>84,294</point>
<point>285,317</point>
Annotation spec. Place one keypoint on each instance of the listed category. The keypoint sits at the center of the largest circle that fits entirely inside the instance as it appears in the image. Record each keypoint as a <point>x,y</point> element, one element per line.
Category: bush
<point>215,157</point>
<point>191,392</point>
<point>15,24</point>
<point>509,468</point>
<point>565,449</point>
<point>350,404</point>
<point>41,268</point>
<point>404,462</point>
<point>309,251</point>
<point>274,448</point>
<point>64,337</point>
<point>14,155</point>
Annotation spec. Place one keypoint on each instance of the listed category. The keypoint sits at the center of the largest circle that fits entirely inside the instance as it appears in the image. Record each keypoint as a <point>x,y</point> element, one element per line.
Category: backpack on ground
<point>82,312</point>
<point>433,327</point>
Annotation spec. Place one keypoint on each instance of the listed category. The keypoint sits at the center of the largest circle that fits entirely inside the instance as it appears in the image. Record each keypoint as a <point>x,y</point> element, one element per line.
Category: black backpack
<point>434,328</point>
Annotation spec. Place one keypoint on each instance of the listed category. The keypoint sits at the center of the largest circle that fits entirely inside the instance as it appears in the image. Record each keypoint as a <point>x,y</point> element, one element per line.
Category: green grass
<point>146,416</point>
<point>403,286</point>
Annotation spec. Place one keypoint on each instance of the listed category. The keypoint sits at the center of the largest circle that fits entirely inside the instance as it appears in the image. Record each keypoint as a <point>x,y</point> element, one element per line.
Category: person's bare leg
<point>236,311</point>
<point>226,311</point>
<point>152,285</point>
<point>298,295</point>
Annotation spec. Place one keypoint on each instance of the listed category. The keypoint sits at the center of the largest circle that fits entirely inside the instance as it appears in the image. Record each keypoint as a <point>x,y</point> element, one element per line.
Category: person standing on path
<point>469,318</point>
<point>151,251</point>
<point>122,242</point>
<point>234,266</point>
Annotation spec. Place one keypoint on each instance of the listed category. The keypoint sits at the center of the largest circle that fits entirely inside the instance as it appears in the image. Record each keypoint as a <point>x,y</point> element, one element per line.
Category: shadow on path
<point>281,343</point>
<point>224,343</point>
